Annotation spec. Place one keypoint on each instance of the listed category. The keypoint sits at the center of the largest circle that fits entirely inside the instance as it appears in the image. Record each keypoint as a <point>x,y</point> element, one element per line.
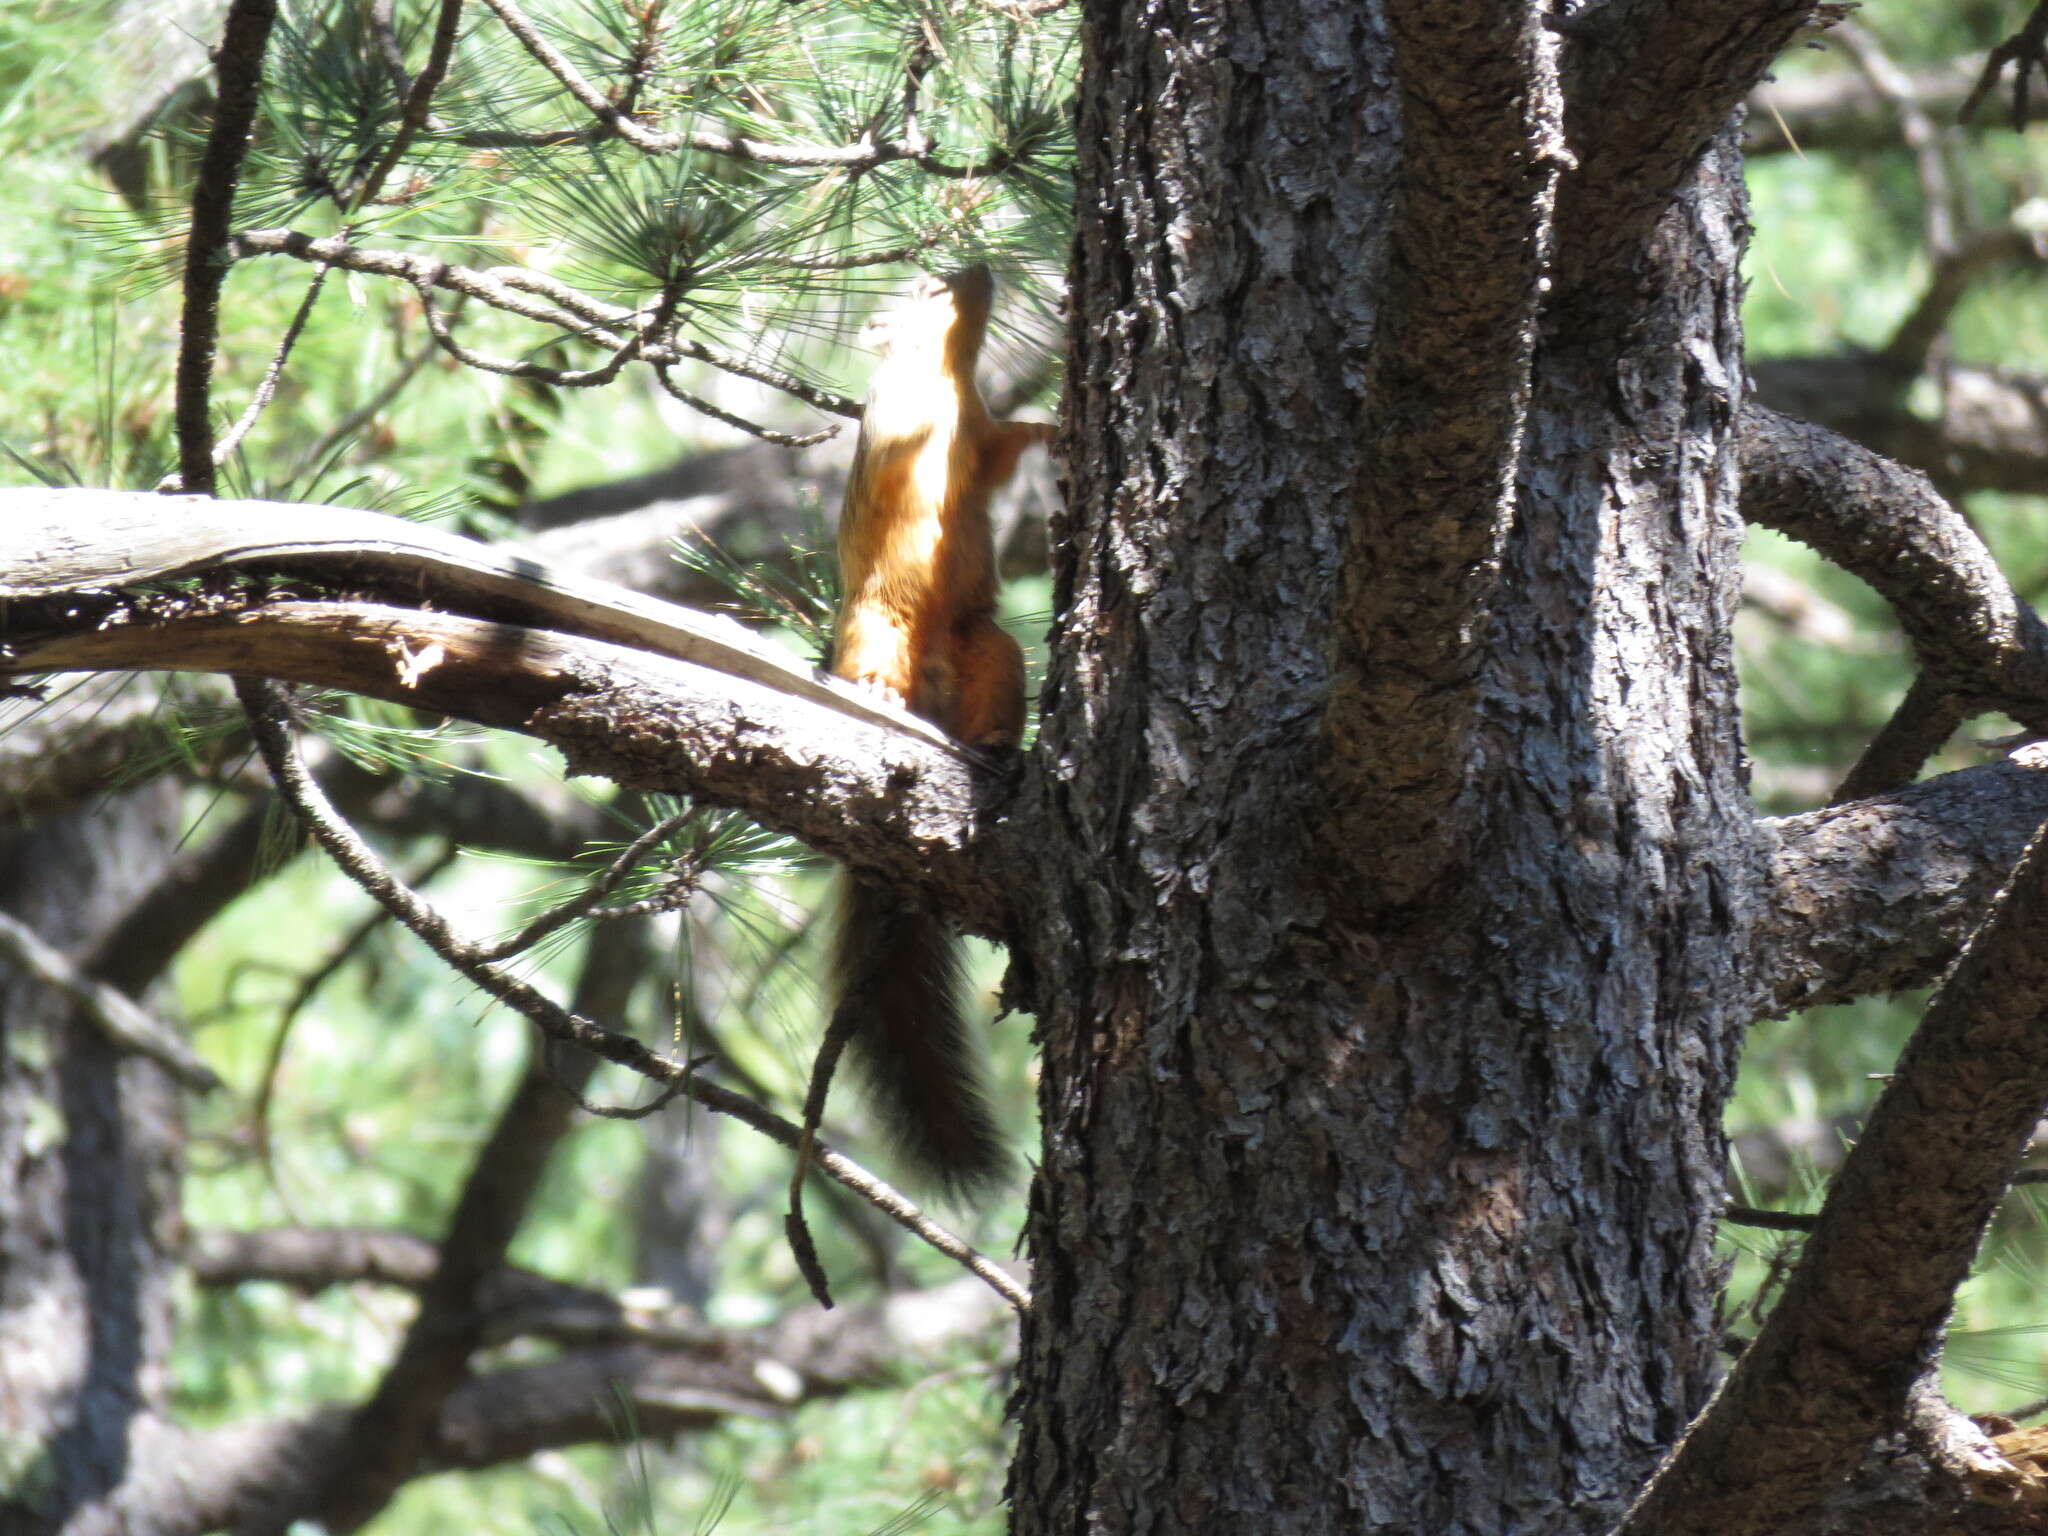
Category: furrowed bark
<point>1442,413</point>
<point>1878,895</point>
<point>1392,1225</point>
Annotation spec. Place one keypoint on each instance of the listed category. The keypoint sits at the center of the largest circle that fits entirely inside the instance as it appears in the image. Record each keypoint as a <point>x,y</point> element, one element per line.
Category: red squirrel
<point>917,625</point>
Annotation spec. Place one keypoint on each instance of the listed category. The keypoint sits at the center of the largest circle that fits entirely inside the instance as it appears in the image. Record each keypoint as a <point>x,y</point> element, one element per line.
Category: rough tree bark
<point>1385,881</point>
<point>1374,1198</point>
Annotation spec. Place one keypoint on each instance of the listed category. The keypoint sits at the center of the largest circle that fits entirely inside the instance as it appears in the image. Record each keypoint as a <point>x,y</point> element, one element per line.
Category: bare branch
<point>753,429</point>
<point>1877,895</point>
<point>1861,1320</point>
<point>1449,392</point>
<point>125,1022</point>
<point>1974,638</point>
<point>239,62</point>
<point>361,864</point>
<point>537,297</point>
<point>57,542</point>
<point>419,102</point>
<point>266,387</point>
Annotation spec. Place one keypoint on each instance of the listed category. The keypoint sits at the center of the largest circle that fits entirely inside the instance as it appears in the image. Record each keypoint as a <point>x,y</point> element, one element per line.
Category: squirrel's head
<point>941,316</point>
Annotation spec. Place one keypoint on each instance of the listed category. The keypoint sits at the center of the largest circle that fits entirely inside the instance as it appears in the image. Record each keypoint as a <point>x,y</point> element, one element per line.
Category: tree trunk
<point>1359,1216</point>
<point>90,1155</point>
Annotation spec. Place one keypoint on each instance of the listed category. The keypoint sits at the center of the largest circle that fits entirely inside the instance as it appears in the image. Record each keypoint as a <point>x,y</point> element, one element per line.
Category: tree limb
<point>239,62</point>
<point>1446,400</point>
<point>1875,896</point>
<point>1975,639</point>
<point>1649,84</point>
<point>864,795</point>
<point>1861,1320</point>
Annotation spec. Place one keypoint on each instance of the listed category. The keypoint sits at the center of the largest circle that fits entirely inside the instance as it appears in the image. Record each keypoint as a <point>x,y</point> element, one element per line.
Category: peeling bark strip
<point>1862,1317</point>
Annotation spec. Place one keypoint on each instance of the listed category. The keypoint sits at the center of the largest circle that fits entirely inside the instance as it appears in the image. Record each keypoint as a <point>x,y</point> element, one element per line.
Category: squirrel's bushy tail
<point>898,973</point>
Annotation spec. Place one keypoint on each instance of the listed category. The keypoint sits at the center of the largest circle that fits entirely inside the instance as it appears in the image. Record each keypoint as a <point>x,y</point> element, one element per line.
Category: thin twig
<point>267,388</point>
<point>120,1018</point>
<point>845,1022</point>
<point>269,724</point>
<point>309,985</point>
<point>719,413</point>
<point>239,64</point>
<point>2027,51</point>
<point>634,345</point>
<point>587,902</point>
<point>861,156</point>
<point>419,100</point>
<point>533,296</point>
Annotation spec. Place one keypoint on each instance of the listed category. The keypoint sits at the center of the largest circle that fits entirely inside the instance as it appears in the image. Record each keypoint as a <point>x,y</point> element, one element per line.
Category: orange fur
<point>917,624</point>
<point>916,556</point>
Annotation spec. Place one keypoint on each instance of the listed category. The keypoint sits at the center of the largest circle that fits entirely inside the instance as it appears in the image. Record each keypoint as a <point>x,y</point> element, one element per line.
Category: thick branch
<point>1992,433</point>
<point>1861,1321</point>
<point>1876,896</point>
<point>1884,523</point>
<point>1447,397</point>
<point>865,795</point>
<point>1650,83</point>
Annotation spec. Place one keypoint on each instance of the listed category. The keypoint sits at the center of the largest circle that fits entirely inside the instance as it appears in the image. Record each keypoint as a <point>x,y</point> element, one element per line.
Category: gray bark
<point>1400,1223</point>
<point>90,1152</point>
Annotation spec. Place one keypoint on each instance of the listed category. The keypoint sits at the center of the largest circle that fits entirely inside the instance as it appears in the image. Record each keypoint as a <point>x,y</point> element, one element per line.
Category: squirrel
<point>916,624</point>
